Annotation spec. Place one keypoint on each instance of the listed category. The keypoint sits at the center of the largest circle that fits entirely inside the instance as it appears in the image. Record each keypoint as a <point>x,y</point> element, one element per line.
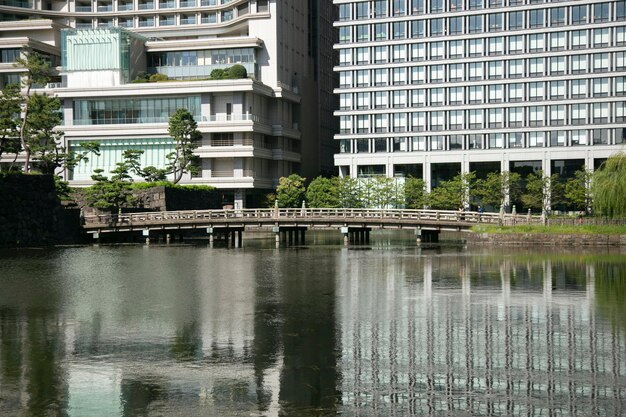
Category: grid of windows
<point>515,75</point>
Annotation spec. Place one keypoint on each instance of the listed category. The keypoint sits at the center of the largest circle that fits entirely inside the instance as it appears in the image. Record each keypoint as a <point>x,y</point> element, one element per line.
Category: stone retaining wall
<point>31,214</point>
<point>541,239</point>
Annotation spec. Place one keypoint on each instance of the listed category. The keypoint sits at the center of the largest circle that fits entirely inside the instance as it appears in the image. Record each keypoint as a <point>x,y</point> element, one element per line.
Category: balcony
<point>146,6</point>
<point>188,3</point>
<point>83,9</point>
<point>125,7</point>
<point>105,8</point>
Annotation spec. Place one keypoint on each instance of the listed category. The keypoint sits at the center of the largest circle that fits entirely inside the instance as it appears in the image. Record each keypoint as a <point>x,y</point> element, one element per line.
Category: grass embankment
<point>554,229</point>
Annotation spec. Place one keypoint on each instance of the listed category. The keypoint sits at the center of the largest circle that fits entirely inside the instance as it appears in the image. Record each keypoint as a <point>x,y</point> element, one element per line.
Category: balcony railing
<point>83,9</point>
<point>233,118</point>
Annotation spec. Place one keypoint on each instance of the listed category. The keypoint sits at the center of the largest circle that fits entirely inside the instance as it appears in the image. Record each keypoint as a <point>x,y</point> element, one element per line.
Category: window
<point>380,77</point>
<point>579,64</point>
<point>536,139</point>
<point>516,68</point>
<point>437,143</point>
<point>516,44</point>
<point>456,5</point>
<point>345,101</point>
<point>475,118</point>
<point>600,62</point>
<point>380,31</point>
<point>380,8</point>
<point>557,41</point>
<point>455,72</point>
<point>535,115</point>
<point>620,86</point>
<point>436,6</point>
<point>418,122</point>
<point>362,11</point>
<point>579,39</point>
<point>362,33</point>
<point>536,18</point>
<point>557,115</point>
<point>455,95</point>
<point>516,92</point>
<point>455,49</point>
<point>496,46</point>
<point>600,37</point>
<point>345,146</point>
<point>362,55</point>
<point>516,20</point>
<point>496,70</point>
<point>345,79</point>
<point>418,52</point>
<point>362,78</point>
<point>579,15</point>
<point>495,118</point>
<point>437,121</point>
<point>363,101</point>
<point>345,57</point>
<point>344,34</point>
<point>400,145</point>
<point>579,88</point>
<point>516,117</point>
<point>345,124</point>
<point>579,137</point>
<point>436,97</point>
<point>380,54</point>
<point>399,76</point>
<point>620,36</point>
<point>418,29</point>
<point>557,90</point>
<point>362,145</point>
<point>418,75</point>
<point>418,144</point>
<point>620,111</point>
<point>496,94</point>
<point>456,119</point>
<point>437,73</point>
<point>496,140</point>
<point>620,61</point>
<point>475,24</point>
<point>536,42</point>
<point>516,140</point>
<point>600,87</point>
<point>399,30</point>
<point>455,26</point>
<point>535,67</point>
<point>475,47</point>
<point>344,12</point>
<point>557,16</point>
<point>456,142</point>
<point>495,22</point>
<point>381,123</point>
<point>399,122</point>
<point>399,53</point>
<point>399,98</point>
<point>557,65</point>
<point>579,114</point>
<point>620,10</point>
<point>381,100</point>
<point>418,98</point>
<point>436,27</point>
<point>475,70</point>
<point>437,50</point>
<point>362,123</point>
<point>536,91</point>
<point>601,12</point>
<point>475,4</point>
<point>601,136</point>
<point>398,8</point>
<point>557,138</point>
<point>475,141</point>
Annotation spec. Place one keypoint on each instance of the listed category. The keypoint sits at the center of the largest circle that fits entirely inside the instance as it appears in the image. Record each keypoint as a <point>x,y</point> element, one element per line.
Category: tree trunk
<point>25,147</point>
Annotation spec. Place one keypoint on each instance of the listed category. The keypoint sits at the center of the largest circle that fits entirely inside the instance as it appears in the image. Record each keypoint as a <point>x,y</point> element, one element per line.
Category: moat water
<point>387,329</point>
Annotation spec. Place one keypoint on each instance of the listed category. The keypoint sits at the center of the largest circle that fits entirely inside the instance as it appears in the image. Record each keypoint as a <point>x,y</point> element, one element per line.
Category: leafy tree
<point>323,193</point>
<point>116,192</point>
<point>578,190</point>
<point>10,107</point>
<point>154,78</point>
<point>184,129</point>
<point>38,72</point>
<point>493,190</point>
<point>414,193</point>
<point>609,186</point>
<point>542,191</point>
<point>154,174</point>
<point>217,74</point>
<point>290,191</point>
<point>452,194</point>
<point>384,192</point>
<point>349,192</point>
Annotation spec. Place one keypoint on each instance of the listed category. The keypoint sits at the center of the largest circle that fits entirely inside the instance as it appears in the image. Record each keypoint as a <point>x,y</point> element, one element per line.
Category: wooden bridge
<point>354,224</point>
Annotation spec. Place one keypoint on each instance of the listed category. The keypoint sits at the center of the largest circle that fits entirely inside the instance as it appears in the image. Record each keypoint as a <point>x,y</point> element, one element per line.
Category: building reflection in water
<point>299,332</point>
<point>477,335</point>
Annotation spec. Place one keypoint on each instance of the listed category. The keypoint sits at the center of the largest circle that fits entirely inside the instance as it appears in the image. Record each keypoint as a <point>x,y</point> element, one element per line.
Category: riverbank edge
<point>545,239</point>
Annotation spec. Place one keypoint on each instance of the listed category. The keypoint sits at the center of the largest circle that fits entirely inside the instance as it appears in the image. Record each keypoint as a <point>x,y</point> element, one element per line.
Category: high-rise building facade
<point>254,129</point>
<point>432,88</point>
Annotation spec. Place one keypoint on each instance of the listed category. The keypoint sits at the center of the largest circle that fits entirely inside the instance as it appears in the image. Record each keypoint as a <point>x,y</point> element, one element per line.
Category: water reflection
<point>138,331</point>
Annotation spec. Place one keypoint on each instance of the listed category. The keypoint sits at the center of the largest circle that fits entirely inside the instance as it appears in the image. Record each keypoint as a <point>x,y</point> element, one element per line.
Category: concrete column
<point>236,238</point>
<point>276,231</point>
<point>240,199</point>
<point>426,174</point>
<point>168,238</point>
<point>146,234</point>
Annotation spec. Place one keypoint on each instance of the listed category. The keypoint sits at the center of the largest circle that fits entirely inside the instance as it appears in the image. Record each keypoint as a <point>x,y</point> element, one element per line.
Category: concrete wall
<point>539,239</point>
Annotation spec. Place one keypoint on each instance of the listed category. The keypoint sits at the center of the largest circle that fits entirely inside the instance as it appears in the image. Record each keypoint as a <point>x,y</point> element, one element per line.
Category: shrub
<point>154,78</point>
<point>236,72</point>
<point>217,74</point>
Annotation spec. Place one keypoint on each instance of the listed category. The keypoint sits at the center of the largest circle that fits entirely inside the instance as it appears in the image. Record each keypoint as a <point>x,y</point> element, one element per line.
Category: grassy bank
<point>553,229</point>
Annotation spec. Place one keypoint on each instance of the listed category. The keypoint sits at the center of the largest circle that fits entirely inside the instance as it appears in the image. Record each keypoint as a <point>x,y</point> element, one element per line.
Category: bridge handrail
<point>311,213</point>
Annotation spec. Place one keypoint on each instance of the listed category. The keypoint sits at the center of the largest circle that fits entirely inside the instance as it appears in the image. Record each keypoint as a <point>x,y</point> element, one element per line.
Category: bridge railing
<point>349,214</point>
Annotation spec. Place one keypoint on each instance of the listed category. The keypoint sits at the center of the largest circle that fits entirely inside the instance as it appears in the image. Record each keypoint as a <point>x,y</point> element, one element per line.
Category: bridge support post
<point>346,238</point>
<point>276,231</point>
<point>146,234</point>
<point>168,238</point>
<point>236,239</point>
<point>96,237</point>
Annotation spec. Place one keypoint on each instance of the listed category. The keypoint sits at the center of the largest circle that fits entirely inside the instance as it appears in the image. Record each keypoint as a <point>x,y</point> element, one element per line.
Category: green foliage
<point>414,193</point>
<point>167,184</point>
<point>381,192</point>
<point>492,190</point>
<point>291,191</point>
<point>184,130</point>
<point>142,77</point>
<point>323,193</point>
<point>452,194</point>
<point>609,187</point>
<point>63,189</point>
<point>154,78</point>
<point>577,191</point>
<point>587,229</point>
<point>10,107</point>
<point>349,192</point>
<point>542,191</point>
<point>153,174</point>
<point>116,192</point>
<point>237,71</point>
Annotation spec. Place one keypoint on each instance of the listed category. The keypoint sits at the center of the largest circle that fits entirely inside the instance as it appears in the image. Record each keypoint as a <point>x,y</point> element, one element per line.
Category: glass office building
<point>438,87</point>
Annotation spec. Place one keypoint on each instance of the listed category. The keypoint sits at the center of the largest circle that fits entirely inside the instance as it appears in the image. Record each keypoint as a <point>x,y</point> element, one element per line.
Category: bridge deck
<point>301,217</point>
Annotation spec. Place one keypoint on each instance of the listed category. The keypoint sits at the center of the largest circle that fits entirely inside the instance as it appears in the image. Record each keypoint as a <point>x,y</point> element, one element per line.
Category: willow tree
<point>609,187</point>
